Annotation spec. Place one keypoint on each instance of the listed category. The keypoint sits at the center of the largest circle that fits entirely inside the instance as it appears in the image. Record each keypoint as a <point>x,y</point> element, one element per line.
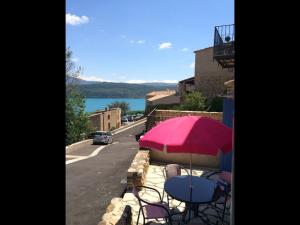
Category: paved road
<point>91,183</point>
<point>87,149</point>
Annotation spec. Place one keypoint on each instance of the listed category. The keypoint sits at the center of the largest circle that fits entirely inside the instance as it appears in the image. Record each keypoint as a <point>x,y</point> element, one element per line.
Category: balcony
<point>224,45</point>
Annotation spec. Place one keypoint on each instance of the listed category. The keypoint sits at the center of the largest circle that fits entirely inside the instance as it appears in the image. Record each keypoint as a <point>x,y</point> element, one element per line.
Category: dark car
<point>138,136</point>
<point>91,135</point>
<point>138,116</point>
<point>130,118</point>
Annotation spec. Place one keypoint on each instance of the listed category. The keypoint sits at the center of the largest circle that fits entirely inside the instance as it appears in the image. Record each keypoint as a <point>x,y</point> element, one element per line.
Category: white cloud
<point>75,60</point>
<point>150,81</point>
<point>93,78</point>
<point>165,45</point>
<point>141,42</point>
<point>121,79</point>
<point>123,36</point>
<point>132,41</point>
<point>76,20</point>
<point>184,49</point>
<point>136,81</point>
<point>192,65</point>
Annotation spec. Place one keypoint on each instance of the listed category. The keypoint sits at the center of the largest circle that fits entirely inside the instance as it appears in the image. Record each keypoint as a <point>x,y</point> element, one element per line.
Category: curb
<point>77,143</point>
<point>80,142</point>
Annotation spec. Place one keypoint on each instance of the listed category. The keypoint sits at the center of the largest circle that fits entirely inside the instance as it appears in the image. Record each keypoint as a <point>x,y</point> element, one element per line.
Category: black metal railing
<point>224,45</point>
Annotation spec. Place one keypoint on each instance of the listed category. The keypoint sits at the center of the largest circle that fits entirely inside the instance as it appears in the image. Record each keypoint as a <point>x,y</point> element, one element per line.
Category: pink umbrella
<point>189,134</point>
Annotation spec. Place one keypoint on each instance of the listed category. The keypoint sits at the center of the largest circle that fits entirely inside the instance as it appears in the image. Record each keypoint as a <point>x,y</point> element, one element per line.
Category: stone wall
<point>201,160</point>
<point>117,213</point>
<point>95,121</point>
<point>138,168</point>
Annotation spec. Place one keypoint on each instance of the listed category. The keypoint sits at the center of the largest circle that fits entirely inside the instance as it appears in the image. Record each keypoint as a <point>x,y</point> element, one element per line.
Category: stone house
<point>186,86</point>
<point>107,119</point>
<point>209,76</point>
<point>166,97</point>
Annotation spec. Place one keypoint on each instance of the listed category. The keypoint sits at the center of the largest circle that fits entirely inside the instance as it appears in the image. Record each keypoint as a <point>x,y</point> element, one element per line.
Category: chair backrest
<point>136,194</point>
<point>172,170</point>
<point>217,193</point>
<point>225,176</point>
<point>224,181</point>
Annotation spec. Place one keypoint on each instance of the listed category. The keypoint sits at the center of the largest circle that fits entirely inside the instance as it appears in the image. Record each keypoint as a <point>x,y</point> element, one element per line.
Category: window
<point>98,133</point>
<point>108,117</point>
<point>108,125</point>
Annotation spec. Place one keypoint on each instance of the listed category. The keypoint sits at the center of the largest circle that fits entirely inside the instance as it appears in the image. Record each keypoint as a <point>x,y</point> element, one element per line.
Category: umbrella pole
<point>190,170</point>
<point>190,185</point>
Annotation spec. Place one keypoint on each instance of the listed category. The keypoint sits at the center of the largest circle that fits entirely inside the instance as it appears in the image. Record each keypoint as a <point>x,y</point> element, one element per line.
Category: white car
<point>102,137</point>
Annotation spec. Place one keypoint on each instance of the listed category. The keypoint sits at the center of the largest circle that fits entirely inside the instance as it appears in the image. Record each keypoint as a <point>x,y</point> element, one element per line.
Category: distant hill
<point>120,90</point>
<point>160,84</point>
<point>96,89</point>
<point>79,81</point>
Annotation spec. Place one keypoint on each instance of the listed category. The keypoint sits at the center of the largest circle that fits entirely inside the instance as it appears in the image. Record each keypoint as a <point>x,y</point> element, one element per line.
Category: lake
<point>93,104</point>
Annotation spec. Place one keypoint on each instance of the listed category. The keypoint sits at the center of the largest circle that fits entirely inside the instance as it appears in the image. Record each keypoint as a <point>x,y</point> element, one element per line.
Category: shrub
<point>216,104</point>
<point>193,101</point>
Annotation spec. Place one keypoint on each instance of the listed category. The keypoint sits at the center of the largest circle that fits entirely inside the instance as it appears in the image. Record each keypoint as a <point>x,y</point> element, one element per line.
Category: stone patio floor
<point>154,178</point>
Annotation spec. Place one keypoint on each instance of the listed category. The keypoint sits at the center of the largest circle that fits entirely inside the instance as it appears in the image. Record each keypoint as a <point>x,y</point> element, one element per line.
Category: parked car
<point>102,137</point>
<point>138,136</point>
<point>124,120</point>
<point>91,135</point>
<point>130,118</point>
<point>138,116</point>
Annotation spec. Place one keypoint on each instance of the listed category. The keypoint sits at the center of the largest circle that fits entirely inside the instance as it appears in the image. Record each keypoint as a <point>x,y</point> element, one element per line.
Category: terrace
<point>154,178</point>
<point>147,169</point>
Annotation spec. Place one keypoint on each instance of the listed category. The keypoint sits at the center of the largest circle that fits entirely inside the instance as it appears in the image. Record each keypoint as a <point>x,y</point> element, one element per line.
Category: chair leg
<point>169,220</point>
<point>137,222</point>
<point>224,209</point>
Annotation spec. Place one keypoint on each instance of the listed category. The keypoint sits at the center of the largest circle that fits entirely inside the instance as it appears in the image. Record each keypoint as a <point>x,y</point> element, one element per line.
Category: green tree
<point>123,105</point>
<point>194,101</point>
<point>77,121</point>
<point>216,104</point>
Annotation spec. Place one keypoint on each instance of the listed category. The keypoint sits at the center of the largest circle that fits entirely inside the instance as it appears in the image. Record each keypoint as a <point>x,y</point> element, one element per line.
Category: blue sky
<point>141,40</point>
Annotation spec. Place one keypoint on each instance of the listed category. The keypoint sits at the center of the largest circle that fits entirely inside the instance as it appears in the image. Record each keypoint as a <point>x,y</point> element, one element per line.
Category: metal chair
<point>153,210</point>
<point>172,170</point>
<point>223,179</point>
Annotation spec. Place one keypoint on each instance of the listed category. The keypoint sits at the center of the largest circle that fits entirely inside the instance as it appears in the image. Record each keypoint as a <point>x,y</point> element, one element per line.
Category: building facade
<point>186,86</point>
<point>209,75</point>
<point>106,120</point>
